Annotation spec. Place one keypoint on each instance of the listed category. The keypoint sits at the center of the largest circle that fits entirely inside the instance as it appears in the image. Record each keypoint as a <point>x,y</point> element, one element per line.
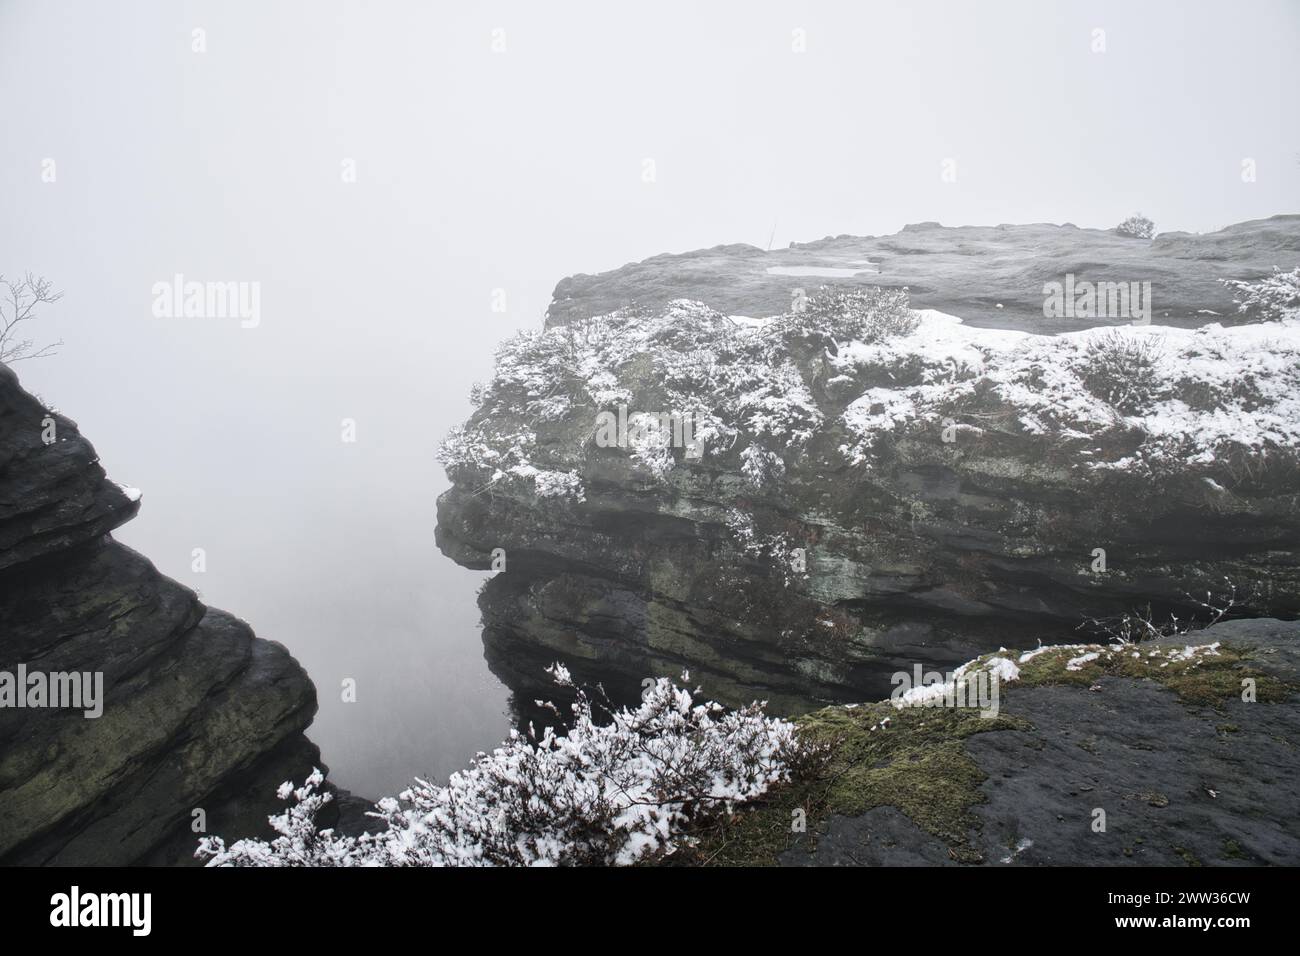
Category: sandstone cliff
<point>870,497</point>
<point>197,712</point>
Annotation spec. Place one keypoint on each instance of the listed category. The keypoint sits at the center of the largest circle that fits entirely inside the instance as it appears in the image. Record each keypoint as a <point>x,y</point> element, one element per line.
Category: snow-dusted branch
<point>1273,297</point>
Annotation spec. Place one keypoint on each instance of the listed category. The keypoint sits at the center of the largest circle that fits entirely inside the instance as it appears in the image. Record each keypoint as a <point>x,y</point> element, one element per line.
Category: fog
<point>479,169</point>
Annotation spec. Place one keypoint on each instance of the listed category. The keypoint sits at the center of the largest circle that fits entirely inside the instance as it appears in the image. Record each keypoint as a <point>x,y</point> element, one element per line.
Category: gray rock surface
<point>198,713</point>
<point>966,270</point>
<point>1180,784</point>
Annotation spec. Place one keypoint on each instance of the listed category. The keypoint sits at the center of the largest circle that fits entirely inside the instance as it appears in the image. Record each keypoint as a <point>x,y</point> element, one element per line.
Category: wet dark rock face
<point>1003,560</point>
<point>198,713</point>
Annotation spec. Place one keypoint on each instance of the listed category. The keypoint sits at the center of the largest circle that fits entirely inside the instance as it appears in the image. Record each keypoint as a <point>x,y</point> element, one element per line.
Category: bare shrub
<point>1139,624</point>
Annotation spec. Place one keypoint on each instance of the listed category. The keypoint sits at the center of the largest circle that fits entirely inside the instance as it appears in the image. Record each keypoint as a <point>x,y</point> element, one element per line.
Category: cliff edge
<point>197,714</point>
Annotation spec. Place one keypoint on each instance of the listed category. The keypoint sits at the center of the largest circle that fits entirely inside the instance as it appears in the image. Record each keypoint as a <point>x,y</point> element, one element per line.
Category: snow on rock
<point>1193,651</point>
<point>728,374</point>
<point>1028,656</point>
<point>132,494</point>
<point>751,387</point>
<point>1076,663</point>
<point>825,272</point>
<point>1211,387</point>
<point>1005,670</point>
<point>998,668</point>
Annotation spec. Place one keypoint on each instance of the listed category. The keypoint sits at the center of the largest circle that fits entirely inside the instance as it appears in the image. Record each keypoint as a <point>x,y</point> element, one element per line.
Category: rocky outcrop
<point>868,501</point>
<point>197,713</point>
<point>992,276</point>
<point>1146,755</point>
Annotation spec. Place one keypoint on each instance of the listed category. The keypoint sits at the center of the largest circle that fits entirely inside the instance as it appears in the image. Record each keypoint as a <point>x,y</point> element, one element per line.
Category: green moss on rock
<point>914,758</point>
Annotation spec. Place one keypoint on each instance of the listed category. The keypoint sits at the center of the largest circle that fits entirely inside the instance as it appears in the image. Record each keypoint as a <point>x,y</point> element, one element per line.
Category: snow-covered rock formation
<point>797,506</point>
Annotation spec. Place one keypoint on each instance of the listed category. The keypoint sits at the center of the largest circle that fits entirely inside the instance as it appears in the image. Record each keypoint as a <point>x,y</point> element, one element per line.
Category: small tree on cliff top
<point>18,302</point>
<point>1137,227</point>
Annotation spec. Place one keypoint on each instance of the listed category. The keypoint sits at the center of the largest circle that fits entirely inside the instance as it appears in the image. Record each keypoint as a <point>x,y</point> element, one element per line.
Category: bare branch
<point>21,300</point>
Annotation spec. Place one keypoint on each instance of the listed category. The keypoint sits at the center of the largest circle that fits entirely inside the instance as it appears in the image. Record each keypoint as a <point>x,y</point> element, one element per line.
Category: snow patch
<point>825,272</point>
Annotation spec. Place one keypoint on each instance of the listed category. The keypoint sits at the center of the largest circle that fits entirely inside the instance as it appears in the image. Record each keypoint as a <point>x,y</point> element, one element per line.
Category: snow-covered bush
<point>650,443</point>
<point>868,314</point>
<point>1271,298</point>
<point>1137,227</point>
<point>862,368</point>
<point>1121,369</point>
<point>538,414</point>
<point>1217,395</point>
<point>494,452</point>
<point>612,793</point>
<point>744,388</point>
<point>761,467</point>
